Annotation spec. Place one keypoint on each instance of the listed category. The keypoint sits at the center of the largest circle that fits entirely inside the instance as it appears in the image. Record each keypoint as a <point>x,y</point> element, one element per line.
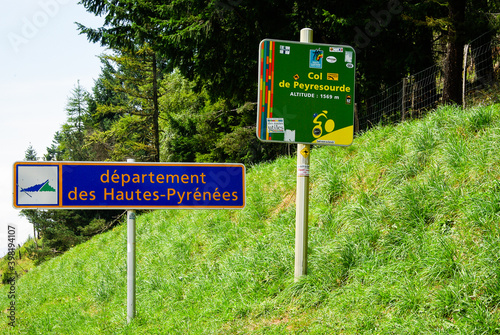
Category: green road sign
<point>306,93</point>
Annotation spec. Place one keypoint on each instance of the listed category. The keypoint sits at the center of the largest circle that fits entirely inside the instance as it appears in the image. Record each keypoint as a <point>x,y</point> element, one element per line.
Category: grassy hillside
<point>404,238</point>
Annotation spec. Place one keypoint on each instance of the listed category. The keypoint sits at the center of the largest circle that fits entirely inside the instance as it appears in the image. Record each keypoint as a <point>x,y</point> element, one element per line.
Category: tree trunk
<point>452,90</point>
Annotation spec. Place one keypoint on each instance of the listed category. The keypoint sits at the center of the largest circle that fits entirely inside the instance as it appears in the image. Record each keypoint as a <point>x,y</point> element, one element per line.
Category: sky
<point>42,58</point>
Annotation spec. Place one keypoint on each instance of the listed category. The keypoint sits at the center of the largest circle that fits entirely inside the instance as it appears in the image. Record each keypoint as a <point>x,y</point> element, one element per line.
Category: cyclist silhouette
<point>318,129</point>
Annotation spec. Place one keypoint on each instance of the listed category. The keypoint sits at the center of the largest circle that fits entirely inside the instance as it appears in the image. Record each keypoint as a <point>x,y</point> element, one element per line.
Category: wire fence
<point>416,94</point>
<point>483,63</point>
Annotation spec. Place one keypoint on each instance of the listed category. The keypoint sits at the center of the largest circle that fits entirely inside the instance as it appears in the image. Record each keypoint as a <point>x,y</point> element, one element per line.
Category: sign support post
<point>302,196</point>
<point>131,261</point>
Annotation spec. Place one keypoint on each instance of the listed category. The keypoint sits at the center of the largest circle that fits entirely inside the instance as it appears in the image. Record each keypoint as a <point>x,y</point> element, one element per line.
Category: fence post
<point>403,100</point>
<point>356,119</point>
<point>414,84</point>
<point>464,75</point>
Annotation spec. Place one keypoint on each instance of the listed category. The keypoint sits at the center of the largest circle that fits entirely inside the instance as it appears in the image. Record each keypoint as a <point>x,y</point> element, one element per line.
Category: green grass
<point>404,238</point>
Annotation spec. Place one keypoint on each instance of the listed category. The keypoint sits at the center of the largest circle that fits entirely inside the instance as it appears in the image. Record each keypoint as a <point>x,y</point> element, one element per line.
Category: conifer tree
<point>134,77</point>
<point>71,138</point>
<point>30,154</point>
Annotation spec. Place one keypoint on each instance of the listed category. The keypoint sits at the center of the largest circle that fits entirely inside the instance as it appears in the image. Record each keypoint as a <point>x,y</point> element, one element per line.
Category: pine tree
<point>77,107</point>
<point>134,77</point>
<point>71,138</point>
<point>30,154</point>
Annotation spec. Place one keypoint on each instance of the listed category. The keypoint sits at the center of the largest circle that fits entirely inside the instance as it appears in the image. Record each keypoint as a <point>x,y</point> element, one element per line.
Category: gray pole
<point>130,261</point>
<point>302,202</point>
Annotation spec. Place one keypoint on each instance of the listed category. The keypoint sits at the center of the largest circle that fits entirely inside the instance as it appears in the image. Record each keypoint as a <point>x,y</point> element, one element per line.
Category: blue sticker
<point>316,59</point>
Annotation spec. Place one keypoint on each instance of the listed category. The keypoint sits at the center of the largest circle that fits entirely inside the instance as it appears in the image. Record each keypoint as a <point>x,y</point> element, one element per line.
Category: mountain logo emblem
<point>43,187</point>
<point>36,185</point>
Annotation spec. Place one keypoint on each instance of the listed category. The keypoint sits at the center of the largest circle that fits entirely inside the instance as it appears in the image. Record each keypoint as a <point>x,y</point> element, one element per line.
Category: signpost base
<point>302,210</point>
<point>130,265</point>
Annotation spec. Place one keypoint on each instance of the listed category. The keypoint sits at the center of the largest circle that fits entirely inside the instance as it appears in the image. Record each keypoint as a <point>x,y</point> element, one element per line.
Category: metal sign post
<point>130,262</point>
<point>130,265</point>
<point>302,198</point>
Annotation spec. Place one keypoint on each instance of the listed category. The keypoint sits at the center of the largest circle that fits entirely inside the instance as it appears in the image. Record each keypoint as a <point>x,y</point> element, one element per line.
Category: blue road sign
<point>91,185</point>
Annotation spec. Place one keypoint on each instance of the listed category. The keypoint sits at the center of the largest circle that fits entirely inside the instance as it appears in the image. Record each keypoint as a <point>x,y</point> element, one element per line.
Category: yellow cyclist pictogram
<point>324,131</point>
<point>318,128</point>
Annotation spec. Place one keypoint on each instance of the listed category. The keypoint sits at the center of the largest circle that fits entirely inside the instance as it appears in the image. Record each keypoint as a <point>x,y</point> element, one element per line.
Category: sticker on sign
<point>275,125</point>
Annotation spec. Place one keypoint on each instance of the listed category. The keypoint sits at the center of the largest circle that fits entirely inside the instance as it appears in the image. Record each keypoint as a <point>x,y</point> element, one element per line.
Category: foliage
<point>63,229</point>
<point>403,238</point>
<point>22,264</point>
<point>198,130</point>
<point>213,45</point>
<point>40,254</point>
<point>189,33</point>
<point>30,154</point>
<point>68,142</point>
<point>179,83</point>
<point>125,110</point>
<point>7,274</point>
